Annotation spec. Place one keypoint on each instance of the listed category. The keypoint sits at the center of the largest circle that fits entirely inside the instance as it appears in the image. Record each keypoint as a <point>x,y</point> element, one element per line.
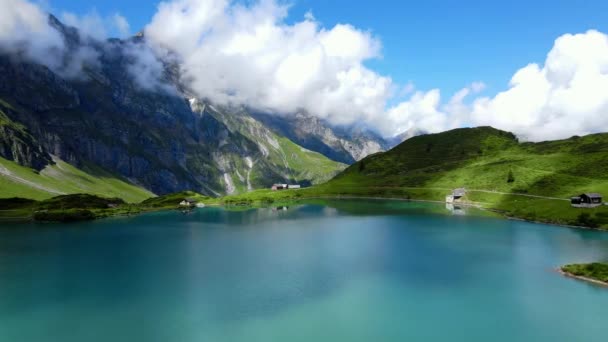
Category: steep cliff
<point>343,144</point>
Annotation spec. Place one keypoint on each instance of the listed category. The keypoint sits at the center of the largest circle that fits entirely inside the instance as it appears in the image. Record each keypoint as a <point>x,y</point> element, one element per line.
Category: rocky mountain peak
<point>70,34</point>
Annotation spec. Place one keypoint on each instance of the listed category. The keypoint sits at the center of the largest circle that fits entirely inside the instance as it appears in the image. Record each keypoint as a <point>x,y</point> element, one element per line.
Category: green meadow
<point>63,178</point>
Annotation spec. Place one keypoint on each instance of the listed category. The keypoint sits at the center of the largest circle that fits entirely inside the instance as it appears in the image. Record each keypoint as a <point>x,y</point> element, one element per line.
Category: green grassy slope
<point>305,164</point>
<point>63,178</point>
<point>280,155</point>
<point>483,158</point>
<point>500,173</point>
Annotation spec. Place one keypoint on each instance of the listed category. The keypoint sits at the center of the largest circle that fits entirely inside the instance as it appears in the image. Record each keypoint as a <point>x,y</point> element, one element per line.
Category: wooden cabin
<point>277,187</point>
<point>456,196</point>
<point>588,200</point>
<point>459,193</point>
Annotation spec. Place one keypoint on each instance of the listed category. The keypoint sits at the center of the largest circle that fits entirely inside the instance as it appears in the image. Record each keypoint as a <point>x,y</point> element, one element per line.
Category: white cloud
<point>309,16</point>
<point>121,24</point>
<point>145,68</point>
<point>93,25</point>
<point>421,112</point>
<point>424,112</point>
<point>565,97</point>
<point>478,87</point>
<point>24,29</point>
<point>407,89</point>
<point>248,55</point>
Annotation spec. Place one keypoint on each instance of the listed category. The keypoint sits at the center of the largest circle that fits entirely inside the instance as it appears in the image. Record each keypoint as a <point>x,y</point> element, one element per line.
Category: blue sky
<point>434,43</point>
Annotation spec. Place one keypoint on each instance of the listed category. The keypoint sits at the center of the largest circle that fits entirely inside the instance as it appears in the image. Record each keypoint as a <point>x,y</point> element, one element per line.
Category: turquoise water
<point>348,271</point>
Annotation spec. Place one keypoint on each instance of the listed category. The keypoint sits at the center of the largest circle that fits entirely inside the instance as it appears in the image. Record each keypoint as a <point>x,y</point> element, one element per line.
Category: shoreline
<point>477,205</point>
<point>513,218</point>
<point>581,278</point>
<point>401,199</point>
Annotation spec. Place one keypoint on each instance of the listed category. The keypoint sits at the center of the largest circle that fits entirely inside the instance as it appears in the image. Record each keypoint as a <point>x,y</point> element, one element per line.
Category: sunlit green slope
<point>63,178</point>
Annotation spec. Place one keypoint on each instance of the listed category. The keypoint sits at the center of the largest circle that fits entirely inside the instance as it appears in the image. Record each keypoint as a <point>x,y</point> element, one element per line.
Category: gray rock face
<point>22,81</point>
<point>345,145</point>
<point>398,139</point>
<point>20,147</point>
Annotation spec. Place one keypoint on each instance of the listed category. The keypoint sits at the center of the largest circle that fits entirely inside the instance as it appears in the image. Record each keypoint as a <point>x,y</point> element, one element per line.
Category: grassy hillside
<point>500,173</point>
<point>63,178</point>
<point>280,156</point>
<point>306,165</point>
<point>488,159</point>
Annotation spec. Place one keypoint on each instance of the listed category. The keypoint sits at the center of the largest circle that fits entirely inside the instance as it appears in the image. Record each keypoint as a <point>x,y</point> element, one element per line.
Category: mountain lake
<point>350,270</point>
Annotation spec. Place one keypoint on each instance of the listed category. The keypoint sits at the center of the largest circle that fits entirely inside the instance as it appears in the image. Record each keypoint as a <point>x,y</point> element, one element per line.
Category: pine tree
<point>510,177</point>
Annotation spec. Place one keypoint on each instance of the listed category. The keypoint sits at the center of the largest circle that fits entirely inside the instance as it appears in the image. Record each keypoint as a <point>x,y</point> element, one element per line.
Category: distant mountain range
<point>159,140</point>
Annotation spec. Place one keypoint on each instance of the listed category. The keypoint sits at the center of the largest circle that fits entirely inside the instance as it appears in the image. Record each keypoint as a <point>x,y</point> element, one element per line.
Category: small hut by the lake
<point>277,187</point>
<point>188,202</point>
<point>587,200</point>
<point>456,195</point>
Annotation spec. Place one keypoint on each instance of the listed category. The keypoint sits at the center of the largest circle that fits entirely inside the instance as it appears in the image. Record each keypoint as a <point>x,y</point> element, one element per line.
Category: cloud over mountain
<point>24,29</point>
<point>247,53</point>
<point>27,30</point>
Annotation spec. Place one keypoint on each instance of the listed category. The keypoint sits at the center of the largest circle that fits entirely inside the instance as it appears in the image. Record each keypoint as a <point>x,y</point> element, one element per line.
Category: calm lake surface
<point>345,271</point>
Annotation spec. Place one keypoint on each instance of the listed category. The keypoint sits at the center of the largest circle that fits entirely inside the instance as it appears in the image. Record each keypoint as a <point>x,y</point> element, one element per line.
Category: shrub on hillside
<point>79,201</point>
<point>587,220</point>
<point>510,177</point>
<point>15,203</point>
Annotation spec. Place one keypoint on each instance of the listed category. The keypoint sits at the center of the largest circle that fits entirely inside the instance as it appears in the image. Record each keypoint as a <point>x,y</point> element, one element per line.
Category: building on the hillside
<point>188,202</point>
<point>589,200</point>
<point>456,196</point>
<point>276,187</point>
<point>459,193</point>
